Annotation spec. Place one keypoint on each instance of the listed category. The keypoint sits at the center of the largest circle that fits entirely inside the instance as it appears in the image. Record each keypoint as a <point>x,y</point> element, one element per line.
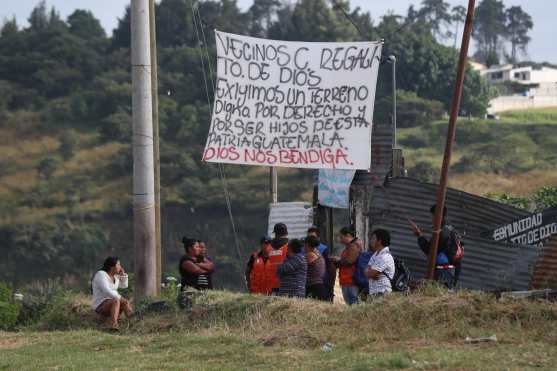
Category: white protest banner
<point>293,104</point>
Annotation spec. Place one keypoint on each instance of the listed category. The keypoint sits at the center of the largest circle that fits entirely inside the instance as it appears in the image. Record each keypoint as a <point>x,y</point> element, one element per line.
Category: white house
<point>524,75</point>
<point>540,87</point>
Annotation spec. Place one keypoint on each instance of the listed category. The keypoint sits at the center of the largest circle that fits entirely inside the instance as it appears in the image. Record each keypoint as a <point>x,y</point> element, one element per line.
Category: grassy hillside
<point>53,199</point>
<point>426,330</point>
<point>516,154</point>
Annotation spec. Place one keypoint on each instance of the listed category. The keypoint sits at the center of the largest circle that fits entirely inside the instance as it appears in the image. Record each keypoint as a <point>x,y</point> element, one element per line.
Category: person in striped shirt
<point>293,271</point>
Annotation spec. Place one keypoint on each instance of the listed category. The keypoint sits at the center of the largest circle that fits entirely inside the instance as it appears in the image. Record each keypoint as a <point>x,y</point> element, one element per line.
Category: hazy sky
<point>542,48</point>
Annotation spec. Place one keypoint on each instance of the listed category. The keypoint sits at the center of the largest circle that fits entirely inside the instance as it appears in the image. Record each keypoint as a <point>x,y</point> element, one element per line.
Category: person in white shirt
<point>106,299</point>
<point>381,266</point>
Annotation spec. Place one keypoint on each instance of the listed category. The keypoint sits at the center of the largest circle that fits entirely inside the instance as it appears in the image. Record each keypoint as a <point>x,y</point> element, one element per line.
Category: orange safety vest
<point>276,257</point>
<point>345,273</point>
<point>261,276</point>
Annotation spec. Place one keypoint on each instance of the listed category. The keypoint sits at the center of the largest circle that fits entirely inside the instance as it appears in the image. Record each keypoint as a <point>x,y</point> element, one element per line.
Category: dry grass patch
<point>517,184</point>
<point>91,158</point>
<point>10,340</point>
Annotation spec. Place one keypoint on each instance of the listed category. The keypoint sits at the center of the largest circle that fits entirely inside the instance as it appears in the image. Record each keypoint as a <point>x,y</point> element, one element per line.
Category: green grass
<point>229,331</point>
<point>537,116</point>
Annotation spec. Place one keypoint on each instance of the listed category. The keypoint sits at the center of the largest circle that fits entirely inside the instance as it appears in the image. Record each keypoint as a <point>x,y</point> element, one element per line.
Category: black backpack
<point>401,278</point>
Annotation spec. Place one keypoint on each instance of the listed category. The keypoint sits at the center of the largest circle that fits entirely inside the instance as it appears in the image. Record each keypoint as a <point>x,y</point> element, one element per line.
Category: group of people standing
<point>291,267</point>
<point>306,268</point>
<point>301,268</point>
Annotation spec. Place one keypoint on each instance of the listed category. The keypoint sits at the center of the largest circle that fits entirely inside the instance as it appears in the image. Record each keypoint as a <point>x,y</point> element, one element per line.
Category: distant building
<point>527,75</point>
<point>540,87</point>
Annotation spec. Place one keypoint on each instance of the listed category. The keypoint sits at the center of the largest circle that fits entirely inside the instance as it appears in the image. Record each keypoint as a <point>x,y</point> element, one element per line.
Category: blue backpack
<point>359,277</point>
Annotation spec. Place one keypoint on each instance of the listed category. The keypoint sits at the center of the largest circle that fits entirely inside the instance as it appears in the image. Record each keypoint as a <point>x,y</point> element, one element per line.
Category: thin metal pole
<point>442,191</point>
<point>143,172</point>
<point>274,185</point>
<point>393,60</point>
<point>156,140</point>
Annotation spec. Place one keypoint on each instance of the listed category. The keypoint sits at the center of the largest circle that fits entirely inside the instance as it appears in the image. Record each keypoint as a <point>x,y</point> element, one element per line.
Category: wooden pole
<point>143,173</point>
<point>156,140</point>
<point>455,107</point>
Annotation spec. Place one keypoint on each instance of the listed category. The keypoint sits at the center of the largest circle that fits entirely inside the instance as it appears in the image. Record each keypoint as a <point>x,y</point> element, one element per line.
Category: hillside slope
<point>426,330</point>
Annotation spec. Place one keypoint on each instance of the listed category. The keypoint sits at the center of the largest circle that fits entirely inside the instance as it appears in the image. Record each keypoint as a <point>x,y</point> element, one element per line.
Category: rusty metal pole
<point>455,106</point>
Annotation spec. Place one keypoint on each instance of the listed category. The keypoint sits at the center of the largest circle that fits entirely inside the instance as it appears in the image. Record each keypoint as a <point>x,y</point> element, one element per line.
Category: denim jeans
<point>445,277</point>
<point>350,294</point>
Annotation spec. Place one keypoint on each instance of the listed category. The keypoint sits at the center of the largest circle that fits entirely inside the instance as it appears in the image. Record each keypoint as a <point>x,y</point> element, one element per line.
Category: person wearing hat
<point>261,275</point>
<point>279,251</point>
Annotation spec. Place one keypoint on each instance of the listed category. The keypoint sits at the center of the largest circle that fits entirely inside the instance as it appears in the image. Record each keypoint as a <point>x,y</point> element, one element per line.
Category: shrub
<point>69,140</point>
<point>64,313</point>
<point>545,197</point>
<point>5,292</point>
<point>47,167</point>
<point>424,171</point>
<point>8,315</point>
<point>415,141</point>
<point>9,310</point>
<point>508,199</point>
<point>411,110</point>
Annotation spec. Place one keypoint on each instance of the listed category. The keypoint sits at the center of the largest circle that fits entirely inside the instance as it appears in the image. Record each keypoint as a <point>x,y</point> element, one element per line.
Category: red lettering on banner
<point>297,157</point>
<point>221,153</point>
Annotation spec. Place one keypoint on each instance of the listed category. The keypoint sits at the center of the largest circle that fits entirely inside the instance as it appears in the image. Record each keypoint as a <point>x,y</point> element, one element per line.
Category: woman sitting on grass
<point>106,299</point>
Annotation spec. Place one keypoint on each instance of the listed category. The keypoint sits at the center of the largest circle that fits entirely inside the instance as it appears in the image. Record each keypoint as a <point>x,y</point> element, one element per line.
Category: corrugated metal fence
<point>298,217</point>
<point>487,265</point>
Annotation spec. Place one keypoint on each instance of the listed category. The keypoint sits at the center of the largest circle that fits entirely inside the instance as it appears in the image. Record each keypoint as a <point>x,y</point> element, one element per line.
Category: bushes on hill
<point>9,310</point>
<point>411,110</point>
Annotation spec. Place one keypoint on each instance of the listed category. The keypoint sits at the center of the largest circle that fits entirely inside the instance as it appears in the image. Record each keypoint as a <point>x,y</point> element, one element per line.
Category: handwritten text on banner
<point>293,104</point>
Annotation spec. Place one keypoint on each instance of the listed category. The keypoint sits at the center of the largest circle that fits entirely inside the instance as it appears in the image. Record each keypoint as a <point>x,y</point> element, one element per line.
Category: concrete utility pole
<point>143,172</point>
<point>156,151</point>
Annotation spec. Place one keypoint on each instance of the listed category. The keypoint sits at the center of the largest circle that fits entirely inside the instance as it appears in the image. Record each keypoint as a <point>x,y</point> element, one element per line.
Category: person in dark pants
<point>293,271</point>
<point>446,272</point>
<point>315,288</point>
<point>347,264</point>
<point>330,268</point>
<point>280,248</point>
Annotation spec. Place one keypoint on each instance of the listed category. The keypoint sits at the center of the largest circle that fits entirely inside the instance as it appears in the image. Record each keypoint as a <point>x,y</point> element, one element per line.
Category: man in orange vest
<point>278,253</point>
<point>261,274</point>
<point>347,264</point>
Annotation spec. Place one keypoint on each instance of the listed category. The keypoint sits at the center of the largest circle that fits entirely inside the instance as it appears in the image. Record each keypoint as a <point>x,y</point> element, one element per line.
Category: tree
<point>436,14</point>
<point>314,20</point>
<point>38,20</point>
<point>518,25</point>
<point>121,35</point>
<point>9,28</point>
<point>84,24</point>
<point>262,13</point>
<point>490,30</point>
<point>458,16</point>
